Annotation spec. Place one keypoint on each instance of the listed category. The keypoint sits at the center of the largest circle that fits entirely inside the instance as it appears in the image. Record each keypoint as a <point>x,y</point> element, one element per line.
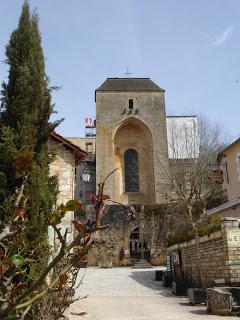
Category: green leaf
<point>54,218</point>
<point>18,260</point>
<point>71,205</point>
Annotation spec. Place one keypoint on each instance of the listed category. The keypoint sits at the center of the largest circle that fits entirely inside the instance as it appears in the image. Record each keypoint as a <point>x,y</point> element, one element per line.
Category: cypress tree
<point>25,124</point>
<point>26,106</point>
<point>26,102</point>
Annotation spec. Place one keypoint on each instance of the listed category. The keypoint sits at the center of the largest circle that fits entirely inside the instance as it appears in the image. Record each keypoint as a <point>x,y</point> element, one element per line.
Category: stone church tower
<point>131,135</point>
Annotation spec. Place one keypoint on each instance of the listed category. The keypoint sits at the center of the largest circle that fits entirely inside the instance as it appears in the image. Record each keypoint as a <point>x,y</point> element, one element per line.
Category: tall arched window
<point>131,165</point>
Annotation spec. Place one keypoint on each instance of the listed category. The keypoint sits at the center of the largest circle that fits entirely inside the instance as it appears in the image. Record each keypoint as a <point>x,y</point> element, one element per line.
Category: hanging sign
<point>89,121</point>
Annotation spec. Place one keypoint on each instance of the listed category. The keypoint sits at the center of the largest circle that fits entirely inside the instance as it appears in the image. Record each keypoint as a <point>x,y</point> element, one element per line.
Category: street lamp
<point>85,178</point>
<point>86,175</point>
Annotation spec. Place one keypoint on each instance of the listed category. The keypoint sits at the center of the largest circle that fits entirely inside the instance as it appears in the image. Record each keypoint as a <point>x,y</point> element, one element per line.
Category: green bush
<point>205,227</point>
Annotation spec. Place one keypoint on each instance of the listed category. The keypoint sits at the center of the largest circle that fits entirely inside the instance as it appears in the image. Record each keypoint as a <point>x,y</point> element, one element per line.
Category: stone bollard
<point>179,288</point>
<point>219,301</point>
<point>158,275</point>
<point>166,279</point>
<point>197,295</point>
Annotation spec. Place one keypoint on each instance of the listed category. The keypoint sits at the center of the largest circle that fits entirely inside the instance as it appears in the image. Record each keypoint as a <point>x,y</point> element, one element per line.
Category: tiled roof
<point>78,152</point>
<point>129,84</point>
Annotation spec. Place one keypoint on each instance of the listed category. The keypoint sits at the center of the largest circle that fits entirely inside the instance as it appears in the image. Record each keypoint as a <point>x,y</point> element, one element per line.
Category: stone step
<point>141,264</point>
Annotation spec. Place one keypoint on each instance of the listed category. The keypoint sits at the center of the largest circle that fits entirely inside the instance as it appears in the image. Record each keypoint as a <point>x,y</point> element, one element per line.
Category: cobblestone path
<point>131,294</point>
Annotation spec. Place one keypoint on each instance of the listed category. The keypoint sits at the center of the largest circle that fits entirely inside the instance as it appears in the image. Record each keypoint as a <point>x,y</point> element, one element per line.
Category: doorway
<point>136,246</point>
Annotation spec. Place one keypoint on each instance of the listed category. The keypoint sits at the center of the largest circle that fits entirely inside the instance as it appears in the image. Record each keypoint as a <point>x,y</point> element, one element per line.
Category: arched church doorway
<point>139,247</point>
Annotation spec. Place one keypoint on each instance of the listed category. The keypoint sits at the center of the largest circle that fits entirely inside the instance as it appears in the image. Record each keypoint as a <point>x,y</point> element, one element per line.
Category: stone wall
<point>209,260</point>
<point>112,245</point>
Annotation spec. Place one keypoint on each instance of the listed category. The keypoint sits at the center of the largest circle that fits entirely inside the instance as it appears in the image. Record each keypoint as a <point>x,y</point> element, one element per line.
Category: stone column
<point>229,223</point>
<point>231,233</point>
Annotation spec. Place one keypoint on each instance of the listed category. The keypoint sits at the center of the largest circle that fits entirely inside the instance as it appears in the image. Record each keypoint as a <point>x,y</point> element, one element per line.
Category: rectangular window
<point>89,147</point>
<point>238,165</point>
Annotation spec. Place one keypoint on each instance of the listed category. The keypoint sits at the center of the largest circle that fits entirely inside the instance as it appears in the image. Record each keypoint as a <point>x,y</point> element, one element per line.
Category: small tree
<point>27,291</point>
<point>193,146</point>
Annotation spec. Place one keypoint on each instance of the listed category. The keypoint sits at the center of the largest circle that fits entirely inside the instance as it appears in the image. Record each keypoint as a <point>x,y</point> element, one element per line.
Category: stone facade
<point>112,245</point>
<point>229,163</point>
<point>66,157</point>
<point>140,126</point>
<point>209,260</point>
<point>63,166</point>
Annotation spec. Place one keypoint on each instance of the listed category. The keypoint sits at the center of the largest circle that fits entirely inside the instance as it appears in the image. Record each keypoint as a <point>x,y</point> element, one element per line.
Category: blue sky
<point>189,48</point>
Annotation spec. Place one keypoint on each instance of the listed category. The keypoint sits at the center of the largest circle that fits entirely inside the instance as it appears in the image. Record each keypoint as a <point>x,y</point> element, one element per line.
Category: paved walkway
<point>131,294</point>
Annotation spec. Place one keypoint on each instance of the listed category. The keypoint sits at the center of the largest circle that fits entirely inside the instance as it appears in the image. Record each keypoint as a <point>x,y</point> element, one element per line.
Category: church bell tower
<point>131,136</point>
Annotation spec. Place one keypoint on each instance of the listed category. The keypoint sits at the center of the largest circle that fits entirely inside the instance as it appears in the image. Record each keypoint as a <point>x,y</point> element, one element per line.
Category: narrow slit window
<point>130,104</point>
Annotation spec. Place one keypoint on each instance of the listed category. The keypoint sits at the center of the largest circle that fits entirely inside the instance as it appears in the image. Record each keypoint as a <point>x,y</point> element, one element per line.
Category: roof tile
<point>129,84</point>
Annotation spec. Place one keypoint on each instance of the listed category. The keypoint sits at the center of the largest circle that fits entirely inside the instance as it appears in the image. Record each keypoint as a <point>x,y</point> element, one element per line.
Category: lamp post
<point>86,175</point>
<point>86,178</point>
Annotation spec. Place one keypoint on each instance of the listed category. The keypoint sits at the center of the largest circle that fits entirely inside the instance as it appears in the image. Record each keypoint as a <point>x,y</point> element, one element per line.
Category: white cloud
<point>223,37</point>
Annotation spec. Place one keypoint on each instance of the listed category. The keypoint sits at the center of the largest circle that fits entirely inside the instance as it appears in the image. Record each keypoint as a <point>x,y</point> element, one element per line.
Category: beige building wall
<point>230,164</point>
<point>144,129</point>
<point>87,144</point>
<point>230,212</point>
<point>63,166</point>
<point>229,161</point>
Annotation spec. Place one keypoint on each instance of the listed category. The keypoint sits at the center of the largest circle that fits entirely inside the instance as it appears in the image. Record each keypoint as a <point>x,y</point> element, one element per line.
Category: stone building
<point>67,156</point>
<point>133,135</point>
<point>229,164</point>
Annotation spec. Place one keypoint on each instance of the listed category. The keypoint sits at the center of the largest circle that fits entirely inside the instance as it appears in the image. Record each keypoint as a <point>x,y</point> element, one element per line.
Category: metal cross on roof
<point>127,73</point>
